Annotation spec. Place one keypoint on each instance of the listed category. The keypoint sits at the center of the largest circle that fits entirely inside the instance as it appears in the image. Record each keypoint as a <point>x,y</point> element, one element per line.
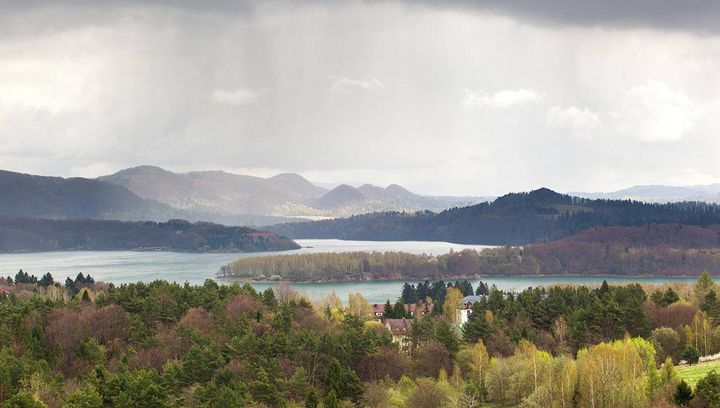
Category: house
<point>399,330</point>
<point>4,292</point>
<point>466,307</point>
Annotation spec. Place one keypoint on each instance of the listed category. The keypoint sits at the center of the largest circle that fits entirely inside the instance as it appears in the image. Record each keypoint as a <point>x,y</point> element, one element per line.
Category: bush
<point>691,355</point>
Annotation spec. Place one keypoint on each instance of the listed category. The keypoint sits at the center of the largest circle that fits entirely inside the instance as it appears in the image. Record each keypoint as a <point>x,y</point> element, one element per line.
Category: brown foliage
<point>66,328</point>
<point>198,319</point>
<point>675,316</point>
<point>429,358</point>
<point>500,344</point>
<point>386,362</point>
<point>242,306</point>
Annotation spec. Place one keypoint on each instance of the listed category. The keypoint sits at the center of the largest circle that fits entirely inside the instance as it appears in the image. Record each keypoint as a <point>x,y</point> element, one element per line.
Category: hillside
<point>516,219</point>
<point>19,234</point>
<point>661,193</point>
<point>25,195</point>
<point>221,194</point>
<point>648,250</point>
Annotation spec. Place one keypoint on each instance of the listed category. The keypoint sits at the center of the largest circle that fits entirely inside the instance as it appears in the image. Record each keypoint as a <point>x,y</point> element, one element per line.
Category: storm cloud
<point>475,98</point>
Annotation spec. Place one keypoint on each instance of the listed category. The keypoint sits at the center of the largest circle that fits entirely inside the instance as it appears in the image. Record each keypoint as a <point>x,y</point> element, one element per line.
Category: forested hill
<point>514,219</point>
<point>18,234</point>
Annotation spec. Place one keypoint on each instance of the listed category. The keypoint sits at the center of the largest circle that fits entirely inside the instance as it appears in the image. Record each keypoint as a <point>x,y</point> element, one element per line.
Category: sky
<point>477,98</point>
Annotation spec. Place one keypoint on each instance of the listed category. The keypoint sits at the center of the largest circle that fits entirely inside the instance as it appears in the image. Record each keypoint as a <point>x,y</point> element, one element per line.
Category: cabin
<point>400,330</point>
<point>4,292</point>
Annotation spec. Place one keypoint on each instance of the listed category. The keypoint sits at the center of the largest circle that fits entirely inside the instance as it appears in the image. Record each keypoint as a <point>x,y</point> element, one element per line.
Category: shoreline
<point>462,278</point>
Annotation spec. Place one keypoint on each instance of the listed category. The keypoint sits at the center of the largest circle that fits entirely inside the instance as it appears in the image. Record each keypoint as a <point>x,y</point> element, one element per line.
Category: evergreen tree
<point>334,376</point>
<point>46,280</point>
<point>708,389</point>
<point>409,294</point>
<point>670,297</point>
<point>388,311</point>
<point>683,394</point>
<point>399,309</point>
<point>268,298</point>
<point>691,355</point>
<point>477,327</point>
<point>71,287</point>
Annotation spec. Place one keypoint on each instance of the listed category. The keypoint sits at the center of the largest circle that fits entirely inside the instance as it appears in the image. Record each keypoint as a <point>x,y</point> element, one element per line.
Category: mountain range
<point>284,195</point>
<point>657,193</point>
<point>152,193</point>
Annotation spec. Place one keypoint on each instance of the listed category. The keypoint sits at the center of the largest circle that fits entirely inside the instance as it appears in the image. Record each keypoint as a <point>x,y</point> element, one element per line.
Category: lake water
<point>132,266</point>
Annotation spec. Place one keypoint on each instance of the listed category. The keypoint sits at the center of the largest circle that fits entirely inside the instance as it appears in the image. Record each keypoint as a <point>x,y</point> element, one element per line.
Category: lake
<point>132,266</point>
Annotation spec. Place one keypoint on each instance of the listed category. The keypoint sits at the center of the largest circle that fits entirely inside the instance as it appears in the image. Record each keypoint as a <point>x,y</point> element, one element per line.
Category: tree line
<point>163,344</point>
<point>513,219</point>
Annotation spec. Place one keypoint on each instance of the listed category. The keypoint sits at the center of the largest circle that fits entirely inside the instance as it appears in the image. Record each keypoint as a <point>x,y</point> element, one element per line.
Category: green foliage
<point>331,400</point>
<point>691,355</point>
<point>683,394</point>
<point>708,389</point>
<point>24,400</point>
<point>86,397</point>
<point>162,344</point>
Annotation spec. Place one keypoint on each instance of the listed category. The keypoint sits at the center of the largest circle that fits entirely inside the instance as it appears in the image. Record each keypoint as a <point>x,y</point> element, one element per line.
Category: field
<point>693,373</point>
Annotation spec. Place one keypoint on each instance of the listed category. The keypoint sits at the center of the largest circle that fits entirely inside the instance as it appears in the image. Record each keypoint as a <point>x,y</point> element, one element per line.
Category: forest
<point>25,234</point>
<point>91,344</point>
<point>513,219</point>
<point>657,250</point>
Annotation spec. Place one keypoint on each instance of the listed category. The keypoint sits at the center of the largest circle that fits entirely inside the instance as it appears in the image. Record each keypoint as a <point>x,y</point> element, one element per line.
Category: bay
<point>132,266</point>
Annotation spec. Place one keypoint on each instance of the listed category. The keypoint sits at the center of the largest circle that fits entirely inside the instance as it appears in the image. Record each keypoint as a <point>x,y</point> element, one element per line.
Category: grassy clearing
<point>691,374</point>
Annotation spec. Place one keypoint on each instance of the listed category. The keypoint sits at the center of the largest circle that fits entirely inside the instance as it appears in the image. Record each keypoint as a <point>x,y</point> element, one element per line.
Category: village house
<point>399,330</point>
<point>466,307</point>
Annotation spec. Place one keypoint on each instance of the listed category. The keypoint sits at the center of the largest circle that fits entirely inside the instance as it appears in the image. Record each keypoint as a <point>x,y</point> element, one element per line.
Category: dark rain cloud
<point>698,16</point>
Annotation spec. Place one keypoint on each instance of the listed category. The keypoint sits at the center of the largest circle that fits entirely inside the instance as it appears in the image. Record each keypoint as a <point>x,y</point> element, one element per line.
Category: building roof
<point>398,327</point>
<point>472,298</point>
<point>409,307</point>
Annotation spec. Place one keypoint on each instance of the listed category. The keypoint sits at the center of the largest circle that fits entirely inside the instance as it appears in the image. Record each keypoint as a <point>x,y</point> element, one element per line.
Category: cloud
<point>699,16</point>
<point>501,100</point>
<point>653,112</point>
<point>240,96</point>
<point>343,84</point>
<point>580,122</point>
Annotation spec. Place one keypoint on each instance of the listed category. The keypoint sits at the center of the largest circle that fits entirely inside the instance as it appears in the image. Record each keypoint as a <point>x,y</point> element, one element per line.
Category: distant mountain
<point>221,194</point>
<point>25,234</point>
<point>29,196</point>
<point>661,193</point>
<point>515,219</point>
<point>25,195</point>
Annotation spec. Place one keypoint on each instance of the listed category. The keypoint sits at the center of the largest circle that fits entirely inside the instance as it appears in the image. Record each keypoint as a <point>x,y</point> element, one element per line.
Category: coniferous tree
<point>388,311</point>
<point>691,355</point>
<point>708,389</point>
<point>477,327</point>
<point>46,280</point>
<point>683,394</point>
